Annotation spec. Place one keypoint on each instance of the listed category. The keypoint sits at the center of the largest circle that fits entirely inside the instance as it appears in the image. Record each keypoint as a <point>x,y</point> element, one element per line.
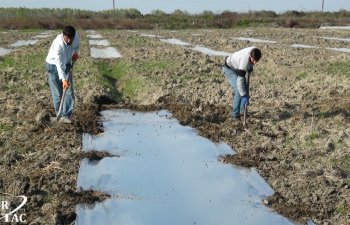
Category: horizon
<point>193,7</point>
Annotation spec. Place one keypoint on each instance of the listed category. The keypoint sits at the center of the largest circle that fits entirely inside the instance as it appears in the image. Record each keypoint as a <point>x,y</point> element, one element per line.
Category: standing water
<point>167,175</point>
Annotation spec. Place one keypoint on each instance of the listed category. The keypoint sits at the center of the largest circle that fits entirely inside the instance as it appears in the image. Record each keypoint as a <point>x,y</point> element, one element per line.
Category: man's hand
<point>65,84</point>
<point>75,57</point>
<point>245,100</point>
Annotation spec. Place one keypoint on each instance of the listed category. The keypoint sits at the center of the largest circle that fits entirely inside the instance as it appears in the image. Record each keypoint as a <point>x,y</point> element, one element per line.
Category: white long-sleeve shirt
<point>240,61</point>
<point>60,54</point>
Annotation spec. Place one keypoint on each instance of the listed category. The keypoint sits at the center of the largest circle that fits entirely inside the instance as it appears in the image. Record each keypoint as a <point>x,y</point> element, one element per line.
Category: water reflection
<point>167,174</point>
<point>254,40</point>
<point>99,42</point>
<point>175,41</point>
<point>4,51</point>
<point>23,43</point>
<point>209,51</point>
<point>108,52</point>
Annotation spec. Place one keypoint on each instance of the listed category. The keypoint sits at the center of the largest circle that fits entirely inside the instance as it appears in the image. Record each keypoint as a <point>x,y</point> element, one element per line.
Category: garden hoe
<point>245,115</point>
<point>64,94</point>
<point>246,106</point>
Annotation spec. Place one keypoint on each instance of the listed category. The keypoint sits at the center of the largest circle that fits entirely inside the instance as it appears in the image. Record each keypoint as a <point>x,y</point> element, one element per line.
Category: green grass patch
<point>130,79</point>
<point>118,74</point>
<point>108,80</point>
<point>186,77</point>
<point>136,42</point>
<point>339,68</point>
<point>321,115</point>
<point>5,128</point>
<point>120,69</point>
<point>36,60</point>
<point>11,88</point>
<point>311,138</point>
<point>6,62</point>
<point>132,86</point>
<point>342,208</point>
<point>302,76</point>
<point>345,164</point>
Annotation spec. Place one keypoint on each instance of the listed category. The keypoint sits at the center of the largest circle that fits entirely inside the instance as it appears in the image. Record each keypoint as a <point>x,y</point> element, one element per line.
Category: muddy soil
<point>298,123</point>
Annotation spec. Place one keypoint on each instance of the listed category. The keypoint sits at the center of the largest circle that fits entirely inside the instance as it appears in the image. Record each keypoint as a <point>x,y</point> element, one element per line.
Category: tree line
<point>46,18</point>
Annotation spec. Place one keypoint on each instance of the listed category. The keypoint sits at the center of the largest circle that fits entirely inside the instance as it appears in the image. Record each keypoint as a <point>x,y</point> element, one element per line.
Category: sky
<point>191,6</point>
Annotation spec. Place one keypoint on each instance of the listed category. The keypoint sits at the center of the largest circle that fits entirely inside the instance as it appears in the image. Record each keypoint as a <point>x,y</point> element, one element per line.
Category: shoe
<point>236,118</point>
<point>65,120</point>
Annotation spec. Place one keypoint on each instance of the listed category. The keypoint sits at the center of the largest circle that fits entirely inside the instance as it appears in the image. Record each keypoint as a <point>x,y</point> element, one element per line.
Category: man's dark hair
<point>69,31</point>
<point>256,54</point>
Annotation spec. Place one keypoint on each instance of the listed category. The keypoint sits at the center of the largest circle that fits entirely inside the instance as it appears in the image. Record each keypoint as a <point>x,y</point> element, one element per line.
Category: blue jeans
<point>232,79</point>
<point>57,90</point>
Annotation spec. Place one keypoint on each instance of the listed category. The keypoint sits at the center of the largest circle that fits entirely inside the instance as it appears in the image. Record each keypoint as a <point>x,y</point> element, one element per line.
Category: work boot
<point>65,120</point>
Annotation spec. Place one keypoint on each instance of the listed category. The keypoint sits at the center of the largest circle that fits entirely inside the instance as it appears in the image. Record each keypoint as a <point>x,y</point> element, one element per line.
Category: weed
<point>321,115</point>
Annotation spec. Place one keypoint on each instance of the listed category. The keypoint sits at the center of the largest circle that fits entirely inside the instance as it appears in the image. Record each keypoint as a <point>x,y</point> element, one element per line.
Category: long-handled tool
<point>246,105</point>
<point>64,94</point>
<point>245,115</point>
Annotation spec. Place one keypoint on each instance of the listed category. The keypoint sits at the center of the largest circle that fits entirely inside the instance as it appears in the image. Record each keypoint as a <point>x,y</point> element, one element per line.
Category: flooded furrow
<point>167,174</point>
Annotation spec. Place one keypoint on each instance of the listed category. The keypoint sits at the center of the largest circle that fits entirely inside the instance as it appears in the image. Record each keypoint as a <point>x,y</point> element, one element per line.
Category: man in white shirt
<point>63,51</point>
<point>236,68</point>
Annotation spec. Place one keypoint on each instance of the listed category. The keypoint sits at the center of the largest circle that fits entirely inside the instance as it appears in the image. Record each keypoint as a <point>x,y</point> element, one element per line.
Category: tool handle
<point>64,94</point>
<point>245,115</point>
<point>61,104</point>
<point>246,105</point>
